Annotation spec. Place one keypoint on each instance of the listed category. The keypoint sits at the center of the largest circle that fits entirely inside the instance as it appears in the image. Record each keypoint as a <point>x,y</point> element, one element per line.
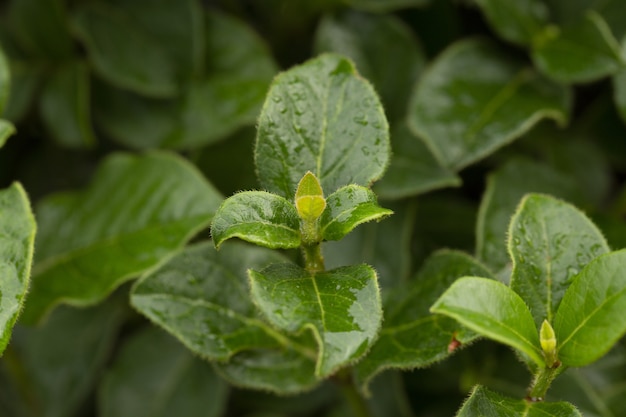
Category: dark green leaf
<point>388,40</point>
<point>65,106</point>
<point>17,237</point>
<point>259,217</point>
<point>341,307</point>
<point>413,169</point>
<point>382,6</point>
<point>485,403</point>
<point>164,378</point>
<point>619,93</point>
<point>505,189</point>
<point>411,336</point>
<point>321,117</point>
<point>137,211</point>
<point>550,241</point>
<point>590,318</point>
<point>493,310</point>
<point>63,359</point>
<point>348,207</point>
<point>26,79</point>
<point>201,297</point>
<point>5,78</point>
<point>580,52</point>
<point>6,130</point>
<point>476,98</point>
<point>516,21</point>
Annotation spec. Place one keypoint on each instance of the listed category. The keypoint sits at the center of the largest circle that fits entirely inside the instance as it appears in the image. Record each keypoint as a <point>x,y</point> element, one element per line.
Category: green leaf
<point>505,188</point>
<point>228,94</point>
<point>493,310</point>
<point>26,81</point>
<point>581,52</point>
<point>619,93</point>
<point>259,217</point>
<point>281,371</point>
<point>208,308</point>
<point>383,6</point>
<point>65,106</point>
<point>516,21</point>
<point>62,360</point>
<point>348,207</point>
<point>164,378</point>
<point>137,212</point>
<point>413,169</point>
<point>5,79</point>
<point>476,98</point>
<point>389,39</point>
<point>411,336</point>
<point>485,403</point>
<point>341,307</point>
<point>590,319</point>
<point>321,117</point>
<point>550,241</point>
<point>6,130</point>
<point>17,236</point>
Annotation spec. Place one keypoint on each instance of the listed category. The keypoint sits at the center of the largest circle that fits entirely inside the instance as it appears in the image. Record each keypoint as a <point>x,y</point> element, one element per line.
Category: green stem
<point>313,259</point>
<point>358,404</point>
<point>543,380</point>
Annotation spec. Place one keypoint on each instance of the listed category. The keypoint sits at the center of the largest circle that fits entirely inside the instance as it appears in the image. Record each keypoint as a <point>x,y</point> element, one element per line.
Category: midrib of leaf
<point>544,231</point>
<point>497,101</point>
<point>346,153</point>
<point>266,223</point>
<point>318,167</point>
<point>319,301</point>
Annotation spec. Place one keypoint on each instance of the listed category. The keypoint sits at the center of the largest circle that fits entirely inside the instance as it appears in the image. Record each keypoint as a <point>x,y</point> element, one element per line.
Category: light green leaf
<point>164,378</point>
<point>6,130</point>
<point>201,297</point>
<point>347,208</point>
<point>493,310</point>
<point>411,336</point>
<point>485,403</point>
<point>17,236</point>
<point>341,307</point>
<point>505,188</point>
<point>550,241</point>
<point>321,117</point>
<point>259,217</point>
<point>388,39</point>
<point>413,169</point>
<point>62,360</point>
<point>581,52</point>
<point>65,106</point>
<point>475,98</point>
<point>383,6</point>
<point>590,319</point>
<point>136,213</point>
<point>281,371</point>
<point>518,21</point>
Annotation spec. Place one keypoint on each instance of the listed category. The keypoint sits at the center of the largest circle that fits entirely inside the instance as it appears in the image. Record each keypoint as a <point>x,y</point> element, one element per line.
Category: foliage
<point>279,208</point>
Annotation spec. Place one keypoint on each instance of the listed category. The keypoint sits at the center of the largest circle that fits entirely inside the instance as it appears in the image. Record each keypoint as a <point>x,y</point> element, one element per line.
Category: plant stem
<point>542,382</point>
<point>358,404</point>
<point>313,259</point>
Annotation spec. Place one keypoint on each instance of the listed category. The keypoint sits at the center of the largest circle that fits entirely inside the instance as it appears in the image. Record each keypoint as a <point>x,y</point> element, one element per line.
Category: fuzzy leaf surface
<point>412,337</point>
<point>590,319</point>
<point>493,310</point>
<point>516,21</point>
<point>259,217</point>
<point>474,99</point>
<point>486,403</point>
<point>321,117</point>
<point>165,379</point>
<point>137,211</point>
<point>341,307</point>
<point>201,297</point>
<point>550,241</point>
<point>17,237</point>
<point>348,207</point>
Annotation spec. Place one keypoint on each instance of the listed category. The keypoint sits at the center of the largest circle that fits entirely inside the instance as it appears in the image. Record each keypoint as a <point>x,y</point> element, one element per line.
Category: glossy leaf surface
<point>581,52</point>
<point>164,378</point>
<point>259,217</point>
<point>550,241</point>
<point>201,297</point>
<point>493,310</point>
<point>486,403</point>
<point>17,236</point>
<point>348,207</point>
<point>505,189</point>
<point>137,211</point>
<point>516,21</point>
<point>341,307</point>
<point>321,117</point>
<point>65,106</point>
<point>412,337</point>
<point>475,99</point>
<point>590,319</point>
